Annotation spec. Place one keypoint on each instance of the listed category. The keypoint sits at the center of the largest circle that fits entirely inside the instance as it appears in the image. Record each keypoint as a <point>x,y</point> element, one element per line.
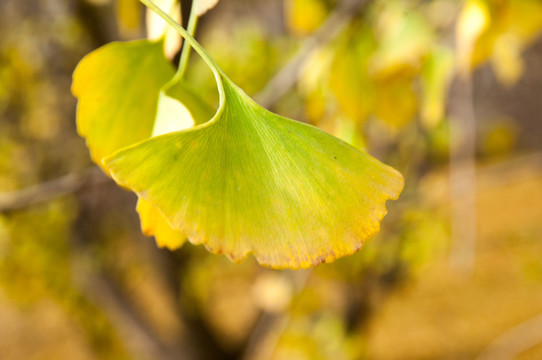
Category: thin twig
<point>50,190</point>
<point>287,76</point>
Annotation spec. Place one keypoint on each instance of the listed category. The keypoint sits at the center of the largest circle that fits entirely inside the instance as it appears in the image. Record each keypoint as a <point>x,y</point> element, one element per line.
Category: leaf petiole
<point>185,53</point>
<point>186,35</point>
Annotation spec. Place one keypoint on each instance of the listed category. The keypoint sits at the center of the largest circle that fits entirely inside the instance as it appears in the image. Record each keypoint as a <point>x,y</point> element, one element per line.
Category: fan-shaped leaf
<point>125,97</point>
<point>153,223</point>
<point>117,87</point>
<point>251,181</point>
<point>248,181</point>
<point>179,107</point>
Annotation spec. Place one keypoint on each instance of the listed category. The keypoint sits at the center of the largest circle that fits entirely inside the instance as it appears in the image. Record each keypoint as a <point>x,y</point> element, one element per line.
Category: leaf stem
<point>186,35</point>
<point>185,53</point>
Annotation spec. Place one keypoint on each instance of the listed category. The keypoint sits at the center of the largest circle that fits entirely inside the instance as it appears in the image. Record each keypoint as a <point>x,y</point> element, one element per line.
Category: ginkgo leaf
<point>126,91</point>
<point>251,181</point>
<point>247,181</point>
<point>153,223</point>
<point>179,107</point>
<point>117,87</point>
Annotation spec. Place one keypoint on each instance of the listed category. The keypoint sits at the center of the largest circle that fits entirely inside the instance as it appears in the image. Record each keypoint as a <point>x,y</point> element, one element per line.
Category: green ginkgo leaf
<point>247,181</point>
<point>250,181</point>
<point>179,107</point>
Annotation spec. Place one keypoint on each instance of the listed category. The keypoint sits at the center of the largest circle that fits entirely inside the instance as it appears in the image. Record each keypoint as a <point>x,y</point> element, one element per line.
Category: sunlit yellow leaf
<point>153,223</point>
<point>126,94</point>
<point>473,20</point>
<point>115,85</point>
<point>304,16</point>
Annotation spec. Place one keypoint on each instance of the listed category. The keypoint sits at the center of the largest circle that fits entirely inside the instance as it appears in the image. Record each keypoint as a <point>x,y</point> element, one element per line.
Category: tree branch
<point>51,189</point>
